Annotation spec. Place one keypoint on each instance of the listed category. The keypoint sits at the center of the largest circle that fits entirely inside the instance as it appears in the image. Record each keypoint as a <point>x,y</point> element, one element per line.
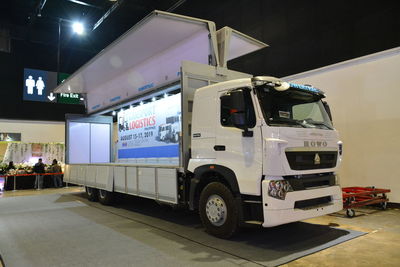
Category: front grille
<point>308,160</point>
<point>311,181</point>
<point>304,204</point>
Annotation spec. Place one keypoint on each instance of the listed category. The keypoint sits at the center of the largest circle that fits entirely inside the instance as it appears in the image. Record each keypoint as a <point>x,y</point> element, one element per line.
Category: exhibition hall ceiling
<point>37,20</point>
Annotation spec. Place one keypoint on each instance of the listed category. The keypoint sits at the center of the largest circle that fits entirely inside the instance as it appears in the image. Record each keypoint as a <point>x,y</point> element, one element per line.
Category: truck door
<point>194,76</point>
<point>239,151</point>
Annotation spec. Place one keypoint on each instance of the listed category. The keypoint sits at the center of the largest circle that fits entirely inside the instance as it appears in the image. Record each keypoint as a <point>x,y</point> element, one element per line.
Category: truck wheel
<point>350,213</point>
<point>92,193</point>
<point>218,211</point>
<point>106,197</point>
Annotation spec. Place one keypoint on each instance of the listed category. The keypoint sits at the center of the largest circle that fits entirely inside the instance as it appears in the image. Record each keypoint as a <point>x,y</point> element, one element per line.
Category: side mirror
<point>327,109</point>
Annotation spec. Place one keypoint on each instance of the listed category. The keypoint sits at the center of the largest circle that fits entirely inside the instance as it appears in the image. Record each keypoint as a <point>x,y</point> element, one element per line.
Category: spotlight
<point>78,28</point>
<point>114,113</point>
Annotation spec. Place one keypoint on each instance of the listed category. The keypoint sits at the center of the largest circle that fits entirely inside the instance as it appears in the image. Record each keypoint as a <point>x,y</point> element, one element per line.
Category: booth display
<point>29,153</point>
<point>16,170</point>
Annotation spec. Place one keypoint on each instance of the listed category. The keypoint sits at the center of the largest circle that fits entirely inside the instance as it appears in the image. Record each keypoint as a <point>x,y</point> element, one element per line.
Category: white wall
<point>35,131</point>
<point>364,96</point>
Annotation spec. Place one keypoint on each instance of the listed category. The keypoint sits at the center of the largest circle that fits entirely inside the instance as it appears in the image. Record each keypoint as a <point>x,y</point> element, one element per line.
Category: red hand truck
<point>354,197</point>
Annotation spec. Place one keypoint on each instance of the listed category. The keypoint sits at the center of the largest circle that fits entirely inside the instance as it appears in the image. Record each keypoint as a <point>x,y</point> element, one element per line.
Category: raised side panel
<point>81,174</point>
<point>74,174</point>
<point>147,182</point>
<point>167,185</point>
<point>131,180</point>
<point>91,176</point>
<point>102,176</point>
<point>120,179</point>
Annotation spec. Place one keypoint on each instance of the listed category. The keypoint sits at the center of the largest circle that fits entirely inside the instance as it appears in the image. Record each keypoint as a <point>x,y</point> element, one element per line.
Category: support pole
<point>58,47</point>
<point>15,183</point>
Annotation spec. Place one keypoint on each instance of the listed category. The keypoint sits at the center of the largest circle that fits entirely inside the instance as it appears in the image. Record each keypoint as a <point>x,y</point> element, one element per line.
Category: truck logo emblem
<point>317,159</point>
<point>315,143</point>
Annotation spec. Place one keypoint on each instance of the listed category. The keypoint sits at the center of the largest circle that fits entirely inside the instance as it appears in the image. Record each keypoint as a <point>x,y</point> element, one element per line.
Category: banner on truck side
<point>151,130</point>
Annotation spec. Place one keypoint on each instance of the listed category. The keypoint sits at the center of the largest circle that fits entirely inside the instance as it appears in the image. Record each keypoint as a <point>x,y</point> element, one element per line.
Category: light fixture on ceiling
<point>78,28</point>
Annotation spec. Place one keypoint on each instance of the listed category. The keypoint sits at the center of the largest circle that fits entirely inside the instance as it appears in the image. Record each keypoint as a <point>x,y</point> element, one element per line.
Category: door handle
<point>219,148</point>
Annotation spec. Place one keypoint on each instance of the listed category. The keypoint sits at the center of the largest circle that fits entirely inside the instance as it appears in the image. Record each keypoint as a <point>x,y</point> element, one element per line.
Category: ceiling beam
<point>108,13</point>
<point>84,4</point>
<point>176,5</point>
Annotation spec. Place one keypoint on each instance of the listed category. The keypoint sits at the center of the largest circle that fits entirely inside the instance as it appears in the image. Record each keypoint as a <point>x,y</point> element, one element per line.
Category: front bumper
<point>277,211</point>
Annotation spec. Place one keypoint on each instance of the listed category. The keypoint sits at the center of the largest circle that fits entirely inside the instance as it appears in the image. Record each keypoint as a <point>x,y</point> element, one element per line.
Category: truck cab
<point>272,145</point>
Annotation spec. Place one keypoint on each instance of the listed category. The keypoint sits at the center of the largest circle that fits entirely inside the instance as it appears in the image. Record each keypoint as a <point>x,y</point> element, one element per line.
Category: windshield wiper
<point>311,121</point>
<point>289,122</point>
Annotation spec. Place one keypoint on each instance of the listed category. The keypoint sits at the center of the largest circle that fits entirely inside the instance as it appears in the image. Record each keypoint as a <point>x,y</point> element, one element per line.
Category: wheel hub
<point>216,210</point>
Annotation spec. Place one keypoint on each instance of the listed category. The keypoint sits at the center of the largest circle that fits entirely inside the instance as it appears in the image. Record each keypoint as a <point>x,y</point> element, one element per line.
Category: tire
<point>350,213</point>
<point>218,211</point>
<point>106,197</point>
<point>92,193</point>
<point>383,205</point>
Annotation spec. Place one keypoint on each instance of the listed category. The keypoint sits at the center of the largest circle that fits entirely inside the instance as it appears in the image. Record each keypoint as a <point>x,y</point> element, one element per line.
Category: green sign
<point>61,77</point>
<point>68,98</point>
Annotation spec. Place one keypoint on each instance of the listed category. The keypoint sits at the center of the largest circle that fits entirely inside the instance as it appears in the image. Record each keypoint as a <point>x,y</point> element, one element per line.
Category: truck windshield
<point>293,108</point>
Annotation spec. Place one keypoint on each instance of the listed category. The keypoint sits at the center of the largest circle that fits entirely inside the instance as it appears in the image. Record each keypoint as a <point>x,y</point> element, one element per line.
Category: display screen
<point>150,130</point>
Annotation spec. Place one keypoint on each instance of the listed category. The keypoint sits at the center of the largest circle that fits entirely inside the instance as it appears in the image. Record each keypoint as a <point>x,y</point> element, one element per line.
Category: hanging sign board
<point>39,84</point>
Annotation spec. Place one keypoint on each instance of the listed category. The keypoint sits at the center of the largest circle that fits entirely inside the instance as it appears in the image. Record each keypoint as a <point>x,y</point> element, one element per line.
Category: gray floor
<point>67,230</point>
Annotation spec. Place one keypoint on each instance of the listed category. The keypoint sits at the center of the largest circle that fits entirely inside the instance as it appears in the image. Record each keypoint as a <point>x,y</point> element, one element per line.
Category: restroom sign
<point>37,85</point>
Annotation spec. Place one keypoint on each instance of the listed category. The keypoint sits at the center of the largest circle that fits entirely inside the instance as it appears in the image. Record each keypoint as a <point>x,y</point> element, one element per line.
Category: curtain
<point>31,152</point>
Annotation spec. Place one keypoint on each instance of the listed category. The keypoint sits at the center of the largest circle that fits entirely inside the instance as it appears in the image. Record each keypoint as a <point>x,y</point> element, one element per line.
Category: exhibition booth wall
<point>363,94</point>
<point>32,132</point>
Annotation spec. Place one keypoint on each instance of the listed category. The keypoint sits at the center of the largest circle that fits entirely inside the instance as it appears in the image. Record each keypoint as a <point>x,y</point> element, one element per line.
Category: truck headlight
<point>337,179</point>
<point>278,189</point>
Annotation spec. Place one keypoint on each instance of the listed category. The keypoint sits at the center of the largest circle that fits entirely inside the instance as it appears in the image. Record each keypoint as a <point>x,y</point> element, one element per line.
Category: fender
<point>199,173</point>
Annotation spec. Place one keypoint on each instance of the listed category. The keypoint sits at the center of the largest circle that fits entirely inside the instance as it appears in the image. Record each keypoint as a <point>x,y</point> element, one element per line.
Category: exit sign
<point>70,98</point>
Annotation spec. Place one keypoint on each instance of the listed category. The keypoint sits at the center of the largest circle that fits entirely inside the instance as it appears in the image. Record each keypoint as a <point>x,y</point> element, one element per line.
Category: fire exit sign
<point>70,98</point>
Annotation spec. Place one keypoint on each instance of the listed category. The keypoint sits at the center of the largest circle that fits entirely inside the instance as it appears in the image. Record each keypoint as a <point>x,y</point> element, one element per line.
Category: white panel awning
<point>147,56</point>
<point>233,44</point>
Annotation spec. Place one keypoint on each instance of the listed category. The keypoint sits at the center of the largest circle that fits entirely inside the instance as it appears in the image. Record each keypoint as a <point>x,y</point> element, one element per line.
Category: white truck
<point>251,150</point>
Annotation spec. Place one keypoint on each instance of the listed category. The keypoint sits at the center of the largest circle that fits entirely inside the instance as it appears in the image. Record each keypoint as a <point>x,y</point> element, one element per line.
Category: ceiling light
<point>78,27</point>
